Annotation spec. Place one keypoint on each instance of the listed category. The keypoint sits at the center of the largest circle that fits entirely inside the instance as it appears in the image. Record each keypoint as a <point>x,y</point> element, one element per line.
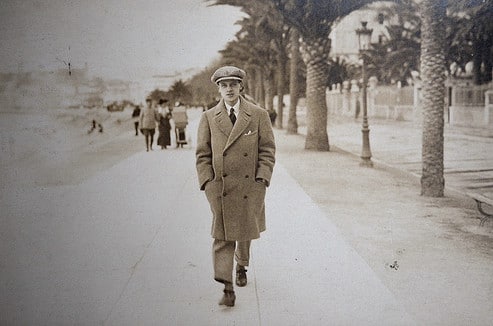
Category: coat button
<point>247,176</point>
<point>245,154</point>
<point>245,197</point>
<point>224,194</point>
<point>225,175</point>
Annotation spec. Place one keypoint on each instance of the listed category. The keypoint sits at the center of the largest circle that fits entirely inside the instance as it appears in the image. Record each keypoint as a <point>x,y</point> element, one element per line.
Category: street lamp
<point>364,38</point>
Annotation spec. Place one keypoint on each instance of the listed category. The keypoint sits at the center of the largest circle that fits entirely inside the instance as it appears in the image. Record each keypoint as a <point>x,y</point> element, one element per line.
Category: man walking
<point>235,158</point>
<point>147,122</point>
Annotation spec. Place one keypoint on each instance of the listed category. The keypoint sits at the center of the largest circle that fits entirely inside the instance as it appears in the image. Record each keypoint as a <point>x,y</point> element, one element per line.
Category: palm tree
<point>394,57</point>
<point>264,37</point>
<point>472,33</point>
<point>314,19</point>
<point>158,94</point>
<point>282,60</point>
<point>293,81</point>
<point>203,91</point>
<point>270,24</point>
<point>252,50</point>
<point>339,71</point>
<point>433,90</point>
<point>179,91</point>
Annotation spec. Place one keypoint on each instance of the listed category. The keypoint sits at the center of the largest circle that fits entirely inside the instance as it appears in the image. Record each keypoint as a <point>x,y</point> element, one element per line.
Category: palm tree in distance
<point>314,20</point>
<point>262,40</point>
<point>433,91</point>
<point>180,92</point>
<point>252,51</point>
<point>294,65</point>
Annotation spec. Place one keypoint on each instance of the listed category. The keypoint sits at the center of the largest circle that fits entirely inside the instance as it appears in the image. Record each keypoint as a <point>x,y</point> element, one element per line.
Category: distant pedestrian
<point>164,126</point>
<point>147,121</point>
<point>135,118</point>
<point>272,115</point>
<point>95,125</point>
<point>234,161</point>
<point>358,109</point>
<point>180,117</point>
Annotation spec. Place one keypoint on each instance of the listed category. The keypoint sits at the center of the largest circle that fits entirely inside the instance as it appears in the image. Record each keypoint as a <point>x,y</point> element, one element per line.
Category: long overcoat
<point>164,127</point>
<point>229,160</point>
<point>148,118</point>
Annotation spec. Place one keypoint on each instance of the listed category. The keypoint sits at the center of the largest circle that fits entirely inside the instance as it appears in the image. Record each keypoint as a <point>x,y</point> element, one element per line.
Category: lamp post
<point>364,38</point>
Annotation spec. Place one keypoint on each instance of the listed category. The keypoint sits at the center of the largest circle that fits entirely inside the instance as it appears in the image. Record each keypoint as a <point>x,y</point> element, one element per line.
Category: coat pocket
<point>250,133</point>
<point>256,198</point>
<point>213,190</point>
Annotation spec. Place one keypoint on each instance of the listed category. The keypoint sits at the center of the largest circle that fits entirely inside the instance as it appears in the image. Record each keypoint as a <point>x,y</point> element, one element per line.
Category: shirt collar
<point>236,107</point>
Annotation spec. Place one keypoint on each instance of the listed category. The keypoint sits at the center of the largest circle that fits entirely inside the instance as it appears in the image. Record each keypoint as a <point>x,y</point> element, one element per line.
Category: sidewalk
<point>468,152</point>
<point>430,252</point>
<point>344,245</point>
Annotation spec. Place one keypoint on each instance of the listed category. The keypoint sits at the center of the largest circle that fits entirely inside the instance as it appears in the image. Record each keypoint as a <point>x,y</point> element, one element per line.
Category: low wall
<point>471,116</point>
<point>393,112</point>
<point>403,103</point>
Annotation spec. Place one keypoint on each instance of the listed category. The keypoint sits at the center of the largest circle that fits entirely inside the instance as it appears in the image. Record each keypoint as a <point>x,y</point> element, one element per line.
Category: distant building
<point>344,38</point>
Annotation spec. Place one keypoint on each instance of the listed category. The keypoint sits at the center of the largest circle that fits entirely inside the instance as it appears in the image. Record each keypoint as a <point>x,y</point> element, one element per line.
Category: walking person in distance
<point>135,118</point>
<point>164,126</point>
<point>147,121</point>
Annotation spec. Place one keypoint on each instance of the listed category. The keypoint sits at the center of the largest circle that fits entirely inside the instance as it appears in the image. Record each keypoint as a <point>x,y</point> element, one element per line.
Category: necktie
<point>232,116</point>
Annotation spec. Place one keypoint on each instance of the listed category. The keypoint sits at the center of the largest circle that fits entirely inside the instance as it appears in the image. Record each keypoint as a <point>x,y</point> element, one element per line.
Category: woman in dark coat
<point>164,127</point>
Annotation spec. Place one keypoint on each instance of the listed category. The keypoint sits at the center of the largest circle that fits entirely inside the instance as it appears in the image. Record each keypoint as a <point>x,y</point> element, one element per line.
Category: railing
<point>469,95</point>
<point>391,95</point>
<point>469,106</point>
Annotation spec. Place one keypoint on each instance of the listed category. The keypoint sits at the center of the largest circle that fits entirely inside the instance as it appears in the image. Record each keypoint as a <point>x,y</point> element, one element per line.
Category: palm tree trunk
<point>293,82</point>
<point>250,82</point>
<point>281,81</point>
<point>260,89</point>
<point>269,91</point>
<point>477,60</point>
<point>263,93</point>
<point>433,77</point>
<point>315,56</point>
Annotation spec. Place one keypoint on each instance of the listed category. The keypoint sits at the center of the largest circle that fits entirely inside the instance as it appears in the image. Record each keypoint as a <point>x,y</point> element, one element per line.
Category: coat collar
<point>224,124</point>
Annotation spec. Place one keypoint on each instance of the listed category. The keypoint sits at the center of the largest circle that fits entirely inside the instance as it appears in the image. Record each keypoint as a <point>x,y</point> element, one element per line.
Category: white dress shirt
<point>235,107</point>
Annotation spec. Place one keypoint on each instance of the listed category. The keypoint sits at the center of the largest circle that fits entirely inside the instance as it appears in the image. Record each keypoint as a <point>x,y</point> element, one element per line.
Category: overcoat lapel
<point>222,119</point>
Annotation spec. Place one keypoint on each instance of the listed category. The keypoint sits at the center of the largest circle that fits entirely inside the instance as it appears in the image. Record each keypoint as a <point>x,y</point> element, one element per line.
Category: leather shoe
<point>228,298</point>
<point>241,278</point>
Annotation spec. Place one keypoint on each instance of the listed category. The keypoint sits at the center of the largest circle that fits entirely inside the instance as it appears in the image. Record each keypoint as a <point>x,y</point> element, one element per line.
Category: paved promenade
<point>345,245</point>
<point>468,152</point>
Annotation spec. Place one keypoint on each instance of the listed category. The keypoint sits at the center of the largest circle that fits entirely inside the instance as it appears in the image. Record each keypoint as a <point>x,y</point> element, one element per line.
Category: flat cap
<point>228,72</point>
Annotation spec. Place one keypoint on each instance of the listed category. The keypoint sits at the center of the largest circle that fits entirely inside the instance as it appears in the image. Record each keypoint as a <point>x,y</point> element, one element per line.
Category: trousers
<point>224,253</point>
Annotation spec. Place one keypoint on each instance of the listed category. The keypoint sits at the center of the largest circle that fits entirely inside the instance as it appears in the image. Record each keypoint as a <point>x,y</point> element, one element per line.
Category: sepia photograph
<point>262,162</point>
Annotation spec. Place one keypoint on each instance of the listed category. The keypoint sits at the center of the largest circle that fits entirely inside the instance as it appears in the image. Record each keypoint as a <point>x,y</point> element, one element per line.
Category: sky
<point>115,38</point>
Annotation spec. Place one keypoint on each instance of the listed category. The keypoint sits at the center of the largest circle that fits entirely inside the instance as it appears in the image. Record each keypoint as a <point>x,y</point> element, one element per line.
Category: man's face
<point>229,90</point>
